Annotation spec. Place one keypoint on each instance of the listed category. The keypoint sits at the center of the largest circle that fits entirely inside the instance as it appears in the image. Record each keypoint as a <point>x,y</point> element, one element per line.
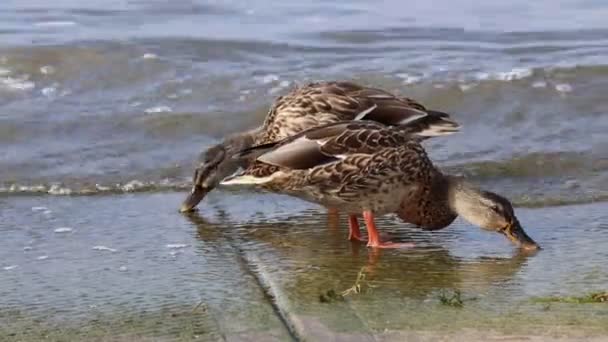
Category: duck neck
<point>430,207</point>
<point>464,200</point>
<point>240,141</point>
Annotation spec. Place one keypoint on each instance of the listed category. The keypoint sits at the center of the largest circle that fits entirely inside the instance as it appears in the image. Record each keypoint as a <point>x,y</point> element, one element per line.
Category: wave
<point>60,189</point>
<point>534,165</point>
<point>532,180</point>
<point>136,186</point>
<point>260,54</point>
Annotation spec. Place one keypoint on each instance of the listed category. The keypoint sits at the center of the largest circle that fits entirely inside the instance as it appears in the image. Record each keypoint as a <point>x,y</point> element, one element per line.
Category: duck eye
<point>495,208</point>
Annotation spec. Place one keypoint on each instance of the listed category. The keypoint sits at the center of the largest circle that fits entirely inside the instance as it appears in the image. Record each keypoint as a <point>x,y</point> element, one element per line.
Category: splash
<point>63,230</point>
<point>57,23</point>
<point>104,249</point>
<point>21,83</point>
<point>158,109</point>
<point>177,245</point>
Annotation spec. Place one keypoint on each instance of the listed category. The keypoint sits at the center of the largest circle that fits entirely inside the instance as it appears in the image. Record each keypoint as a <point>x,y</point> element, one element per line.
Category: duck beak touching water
<point>216,164</point>
<point>194,198</point>
<point>514,232</point>
<point>207,176</point>
<point>489,211</point>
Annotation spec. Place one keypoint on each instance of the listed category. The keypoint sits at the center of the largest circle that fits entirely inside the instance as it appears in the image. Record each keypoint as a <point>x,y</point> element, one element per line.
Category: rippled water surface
<point>115,97</point>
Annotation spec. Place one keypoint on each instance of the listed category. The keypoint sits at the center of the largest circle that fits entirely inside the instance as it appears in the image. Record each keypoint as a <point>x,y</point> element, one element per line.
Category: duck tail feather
<point>244,179</point>
<point>434,124</point>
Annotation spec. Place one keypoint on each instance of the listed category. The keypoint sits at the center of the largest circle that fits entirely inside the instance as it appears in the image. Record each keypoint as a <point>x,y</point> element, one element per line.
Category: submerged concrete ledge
<point>251,275</point>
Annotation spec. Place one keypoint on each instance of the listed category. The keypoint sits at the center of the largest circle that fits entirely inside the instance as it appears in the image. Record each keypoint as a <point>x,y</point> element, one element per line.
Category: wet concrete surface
<point>259,267</point>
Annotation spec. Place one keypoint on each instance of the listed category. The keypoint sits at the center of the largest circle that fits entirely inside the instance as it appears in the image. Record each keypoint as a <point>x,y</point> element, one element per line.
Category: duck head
<point>490,211</point>
<point>216,163</point>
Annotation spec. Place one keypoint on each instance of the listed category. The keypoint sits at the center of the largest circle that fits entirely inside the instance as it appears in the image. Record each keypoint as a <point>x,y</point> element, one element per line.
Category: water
<point>115,97</point>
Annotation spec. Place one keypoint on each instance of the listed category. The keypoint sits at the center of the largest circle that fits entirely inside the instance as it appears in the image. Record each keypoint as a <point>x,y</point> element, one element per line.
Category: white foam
<point>149,56</point>
<point>39,208</point>
<point>19,83</point>
<point>563,87</point>
<point>177,245</point>
<point>27,248</point>
<point>132,185</point>
<point>104,248</point>
<point>408,79</point>
<point>48,91</point>
<point>63,230</point>
<point>511,75</point>
<point>26,188</point>
<point>267,78</point>
<point>42,257</point>
<point>166,181</point>
<point>11,267</point>
<point>4,71</point>
<point>274,90</point>
<point>123,269</point>
<point>572,184</point>
<point>56,23</point>
<point>466,87</point>
<point>47,70</point>
<point>539,84</point>
<point>282,85</point>
<point>514,74</point>
<point>482,76</point>
<point>57,189</point>
<point>47,212</point>
<point>158,109</point>
<point>102,187</point>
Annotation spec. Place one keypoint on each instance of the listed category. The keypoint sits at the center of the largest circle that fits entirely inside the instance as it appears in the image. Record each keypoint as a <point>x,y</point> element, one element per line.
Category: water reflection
<point>309,254</point>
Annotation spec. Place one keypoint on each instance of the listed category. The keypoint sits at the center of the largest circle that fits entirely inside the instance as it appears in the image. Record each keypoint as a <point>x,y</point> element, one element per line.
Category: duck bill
<point>518,236</point>
<point>194,198</point>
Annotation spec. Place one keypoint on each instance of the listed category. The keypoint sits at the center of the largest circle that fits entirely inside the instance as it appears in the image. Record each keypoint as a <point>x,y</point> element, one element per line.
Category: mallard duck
<point>309,106</point>
<point>366,167</point>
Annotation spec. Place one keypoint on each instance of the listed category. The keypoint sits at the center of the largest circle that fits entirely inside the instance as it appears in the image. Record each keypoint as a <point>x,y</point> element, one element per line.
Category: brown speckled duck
<point>310,106</point>
<point>366,167</point>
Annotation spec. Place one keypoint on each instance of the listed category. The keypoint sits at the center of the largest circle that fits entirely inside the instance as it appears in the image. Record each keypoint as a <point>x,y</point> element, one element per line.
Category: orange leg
<point>333,223</point>
<point>332,211</point>
<point>374,236</point>
<point>354,233</point>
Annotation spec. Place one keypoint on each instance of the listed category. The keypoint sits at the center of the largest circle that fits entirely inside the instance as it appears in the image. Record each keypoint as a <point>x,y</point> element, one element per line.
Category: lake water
<point>105,105</point>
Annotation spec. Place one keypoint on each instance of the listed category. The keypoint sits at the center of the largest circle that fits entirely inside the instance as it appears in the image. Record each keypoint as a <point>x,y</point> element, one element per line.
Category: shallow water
<point>121,96</point>
<point>147,257</point>
<point>111,98</point>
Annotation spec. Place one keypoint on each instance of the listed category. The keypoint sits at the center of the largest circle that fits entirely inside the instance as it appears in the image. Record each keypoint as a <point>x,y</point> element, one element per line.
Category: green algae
<point>182,324</point>
<point>593,297</point>
<point>454,300</point>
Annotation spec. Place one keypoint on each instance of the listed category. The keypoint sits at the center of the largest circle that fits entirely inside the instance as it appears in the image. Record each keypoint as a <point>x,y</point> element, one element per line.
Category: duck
<point>311,105</point>
<point>365,167</point>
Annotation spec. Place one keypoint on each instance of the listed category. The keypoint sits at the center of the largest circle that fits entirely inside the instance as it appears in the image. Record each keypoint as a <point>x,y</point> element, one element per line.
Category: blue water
<point>107,98</point>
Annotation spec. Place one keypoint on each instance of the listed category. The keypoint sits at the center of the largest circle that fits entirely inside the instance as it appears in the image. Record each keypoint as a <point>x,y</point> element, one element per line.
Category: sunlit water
<point>114,97</point>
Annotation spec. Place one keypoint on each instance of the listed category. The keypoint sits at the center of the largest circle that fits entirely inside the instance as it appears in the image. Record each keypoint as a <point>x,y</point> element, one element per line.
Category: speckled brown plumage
<point>357,166</point>
<point>321,103</point>
<point>370,168</point>
<point>309,106</point>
